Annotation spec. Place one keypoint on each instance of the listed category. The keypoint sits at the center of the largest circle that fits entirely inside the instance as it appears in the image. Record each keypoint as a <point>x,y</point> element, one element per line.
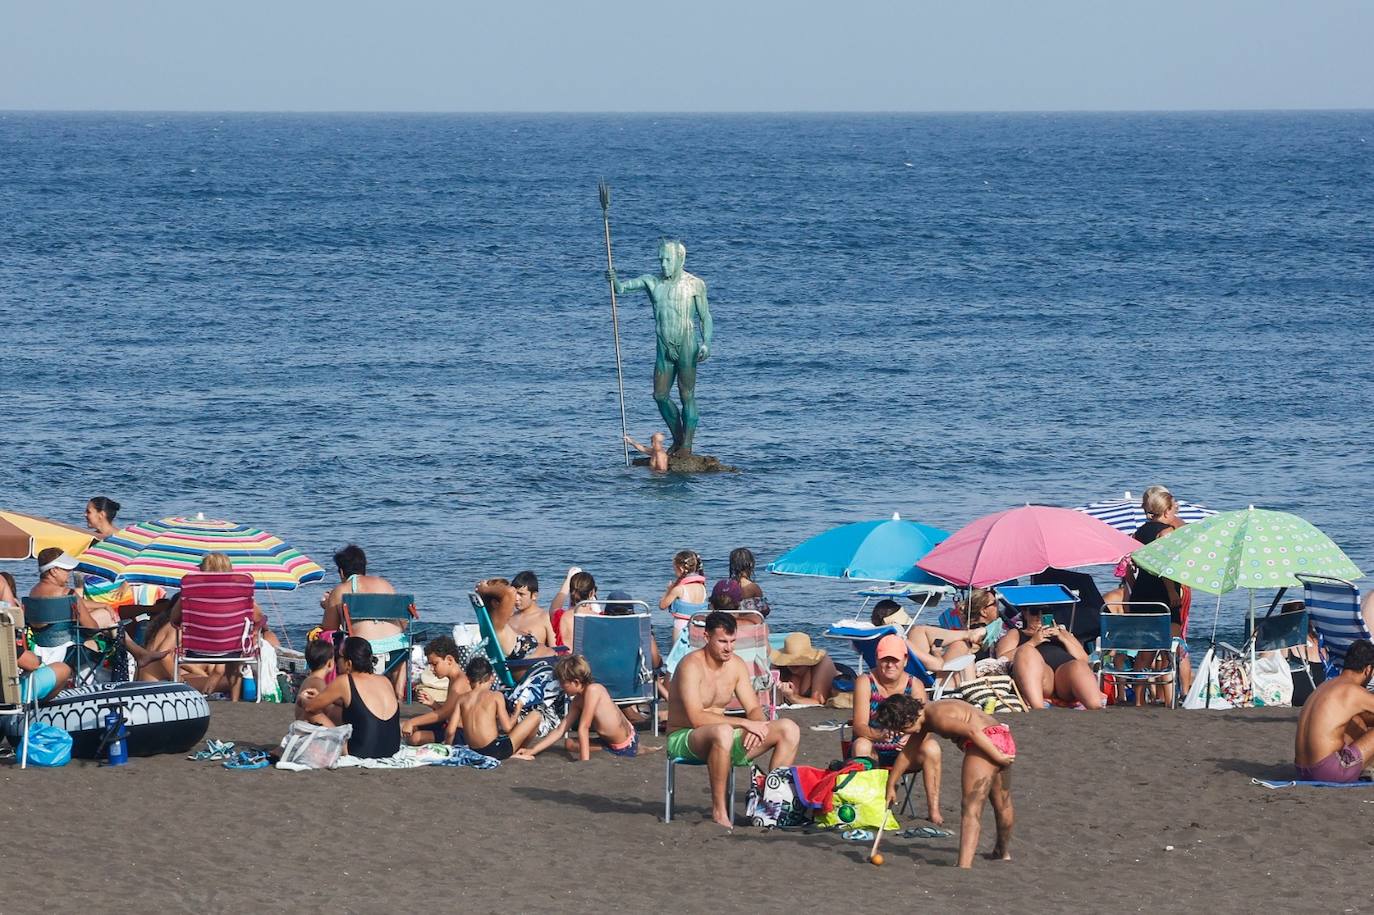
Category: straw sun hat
<point>797,652</point>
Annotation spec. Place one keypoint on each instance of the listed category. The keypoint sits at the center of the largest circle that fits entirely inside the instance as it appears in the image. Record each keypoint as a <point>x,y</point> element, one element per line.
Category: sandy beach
<point>1100,799</point>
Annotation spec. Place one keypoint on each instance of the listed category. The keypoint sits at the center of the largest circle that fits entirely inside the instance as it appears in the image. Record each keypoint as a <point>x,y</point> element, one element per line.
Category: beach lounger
<point>217,623</point>
<point>387,608</point>
<point>1135,632</point>
<point>1333,605</point>
<point>11,689</point>
<point>864,637</point>
<point>57,636</point>
<point>753,648</point>
<point>619,650</point>
<point>491,646</point>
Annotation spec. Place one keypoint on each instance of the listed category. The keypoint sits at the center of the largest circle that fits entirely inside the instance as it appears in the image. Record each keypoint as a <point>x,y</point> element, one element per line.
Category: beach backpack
<point>773,800</point>
<point>860,800</point>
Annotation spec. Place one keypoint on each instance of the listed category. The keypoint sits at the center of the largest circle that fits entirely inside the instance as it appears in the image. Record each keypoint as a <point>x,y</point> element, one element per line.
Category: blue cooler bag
<point>48,746</point>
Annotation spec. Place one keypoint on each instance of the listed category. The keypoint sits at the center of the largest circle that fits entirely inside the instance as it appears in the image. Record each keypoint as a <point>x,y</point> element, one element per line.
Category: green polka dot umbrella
<point>1253,549</point>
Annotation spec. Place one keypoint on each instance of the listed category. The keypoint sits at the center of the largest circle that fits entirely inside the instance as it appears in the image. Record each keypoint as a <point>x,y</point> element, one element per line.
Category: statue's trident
<point>605,191</point>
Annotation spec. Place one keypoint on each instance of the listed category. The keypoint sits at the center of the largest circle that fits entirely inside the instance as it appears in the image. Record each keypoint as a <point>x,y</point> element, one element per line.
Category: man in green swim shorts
<point>698,728</point>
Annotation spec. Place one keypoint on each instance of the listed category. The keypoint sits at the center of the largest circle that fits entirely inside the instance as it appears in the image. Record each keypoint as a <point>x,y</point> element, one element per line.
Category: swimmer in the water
<point>658,455</point>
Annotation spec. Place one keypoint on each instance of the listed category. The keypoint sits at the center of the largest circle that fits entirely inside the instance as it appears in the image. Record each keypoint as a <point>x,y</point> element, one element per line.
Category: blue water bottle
<point>116,743</point>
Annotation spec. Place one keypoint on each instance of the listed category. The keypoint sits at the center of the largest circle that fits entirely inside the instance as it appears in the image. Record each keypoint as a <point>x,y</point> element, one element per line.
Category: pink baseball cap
<point>892,646</point>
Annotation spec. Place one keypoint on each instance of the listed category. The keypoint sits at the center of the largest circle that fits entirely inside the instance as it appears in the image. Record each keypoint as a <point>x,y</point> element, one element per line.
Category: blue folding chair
<point>1334,607</point>
<point>1281,631</point>
<point>1137,632</point>
<point>619,650</point>
<point>670,784</point>
<point>1052,599</point>
<point>385,608</point>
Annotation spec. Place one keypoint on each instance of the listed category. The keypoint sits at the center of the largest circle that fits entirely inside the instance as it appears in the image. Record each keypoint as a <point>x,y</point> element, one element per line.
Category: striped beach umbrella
<point>161,552</point>
<point>1127,516</point>
<point>24,536</point>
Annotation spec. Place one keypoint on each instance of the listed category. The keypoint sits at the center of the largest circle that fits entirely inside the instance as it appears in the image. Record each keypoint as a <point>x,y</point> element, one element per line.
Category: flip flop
<point>214,749</point>
<point>858,835</point>
<point>829,724</point>
<point>249,759</point>
<point>925,832</point>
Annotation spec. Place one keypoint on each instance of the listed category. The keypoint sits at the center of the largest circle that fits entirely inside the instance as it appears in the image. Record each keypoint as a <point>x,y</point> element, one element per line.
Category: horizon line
<point>676,112</point>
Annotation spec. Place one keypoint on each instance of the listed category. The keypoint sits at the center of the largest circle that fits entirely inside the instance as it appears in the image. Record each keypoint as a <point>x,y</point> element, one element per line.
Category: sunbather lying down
<point>1335,738</point>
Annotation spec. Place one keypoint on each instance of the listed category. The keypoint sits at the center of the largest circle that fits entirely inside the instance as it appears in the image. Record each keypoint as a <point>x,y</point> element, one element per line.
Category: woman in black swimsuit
<point>1049,663</point>
<point>368,700</point>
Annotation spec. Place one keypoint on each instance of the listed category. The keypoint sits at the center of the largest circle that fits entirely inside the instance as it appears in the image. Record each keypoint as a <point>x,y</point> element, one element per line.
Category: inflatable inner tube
<point>159,717</point>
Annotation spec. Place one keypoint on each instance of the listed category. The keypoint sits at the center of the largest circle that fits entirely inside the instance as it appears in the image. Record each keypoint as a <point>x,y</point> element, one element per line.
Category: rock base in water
<point>692,463</point>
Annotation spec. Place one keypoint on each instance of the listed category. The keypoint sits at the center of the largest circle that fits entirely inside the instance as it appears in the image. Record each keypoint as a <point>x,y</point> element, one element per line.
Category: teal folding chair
<point>53,623</point>
<point>491,646</point>
<point>12,700</point>
<point>386,608</point>
<point>1136,632</point>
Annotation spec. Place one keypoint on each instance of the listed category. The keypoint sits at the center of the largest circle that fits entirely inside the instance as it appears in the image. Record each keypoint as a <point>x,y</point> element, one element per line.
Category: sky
<point>704,55</point>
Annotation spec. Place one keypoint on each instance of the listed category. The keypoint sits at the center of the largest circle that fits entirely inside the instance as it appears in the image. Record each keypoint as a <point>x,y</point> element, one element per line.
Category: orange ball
<point>876,860</point>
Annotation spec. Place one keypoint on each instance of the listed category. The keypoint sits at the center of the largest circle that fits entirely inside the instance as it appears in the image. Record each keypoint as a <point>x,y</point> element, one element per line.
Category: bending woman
<point>368,700</point>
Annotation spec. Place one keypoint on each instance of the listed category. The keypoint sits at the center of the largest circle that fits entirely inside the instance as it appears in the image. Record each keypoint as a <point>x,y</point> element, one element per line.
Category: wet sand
<point>1099,798</point>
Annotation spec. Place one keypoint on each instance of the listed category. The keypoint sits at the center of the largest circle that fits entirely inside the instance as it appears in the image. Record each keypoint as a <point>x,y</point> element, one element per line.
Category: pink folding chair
<point>217,622</point>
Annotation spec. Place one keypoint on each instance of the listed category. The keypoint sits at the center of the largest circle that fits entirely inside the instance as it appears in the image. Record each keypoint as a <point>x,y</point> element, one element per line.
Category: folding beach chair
<point>670,784</point>
<point>217,623</point>
<point>864,637</point>
<point>12,700</point>
<point>1334,607</point>
<point>387,608</point>
<point>1136,632</point>
<point>491,646</point>
<point>1052,599</point>
<point>753,648</point>
<point>619,650</point>
<point>58,637</point>
<point>1281,631</point>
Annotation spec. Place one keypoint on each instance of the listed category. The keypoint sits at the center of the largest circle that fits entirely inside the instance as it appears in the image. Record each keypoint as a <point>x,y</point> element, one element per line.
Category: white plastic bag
<point>1206,692</point>
<point>313,746</point>
<point>1272,681</point>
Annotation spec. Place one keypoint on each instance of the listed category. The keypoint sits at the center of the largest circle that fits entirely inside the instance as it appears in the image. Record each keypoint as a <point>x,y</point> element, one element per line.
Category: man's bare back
<point>1325,724</point>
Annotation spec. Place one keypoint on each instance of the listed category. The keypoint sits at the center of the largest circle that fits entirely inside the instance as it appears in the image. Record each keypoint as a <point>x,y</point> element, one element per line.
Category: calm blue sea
<point>395,330</point>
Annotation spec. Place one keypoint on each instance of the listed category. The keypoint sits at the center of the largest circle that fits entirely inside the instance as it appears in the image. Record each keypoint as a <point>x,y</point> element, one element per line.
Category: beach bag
<point>313,745</point>
<point>49,746</point>
<point>992,694</point>
<point>860,801</point>
<point>1206,692</point>
<point>269,687</point>
<point>773,801</point>
<point>1233,677</point>
<point>1271,681</point>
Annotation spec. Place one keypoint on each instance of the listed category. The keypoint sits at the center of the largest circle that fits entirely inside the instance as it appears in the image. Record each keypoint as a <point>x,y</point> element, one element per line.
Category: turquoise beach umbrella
<point>866,550</point>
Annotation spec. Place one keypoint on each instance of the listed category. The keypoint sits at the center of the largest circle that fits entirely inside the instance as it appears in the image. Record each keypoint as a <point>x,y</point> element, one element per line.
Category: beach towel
<point>1297,783</point>
<point>430,754</point>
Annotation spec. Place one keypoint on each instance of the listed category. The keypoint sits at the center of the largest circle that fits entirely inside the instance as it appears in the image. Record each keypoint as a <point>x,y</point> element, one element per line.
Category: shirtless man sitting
<point>384,635</point>
<point>1335,740</point>
<point>529,616</point>
<point>698,728</point>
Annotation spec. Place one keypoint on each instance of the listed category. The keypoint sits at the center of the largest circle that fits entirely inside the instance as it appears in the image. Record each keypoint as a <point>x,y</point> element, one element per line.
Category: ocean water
<point>395,330</point>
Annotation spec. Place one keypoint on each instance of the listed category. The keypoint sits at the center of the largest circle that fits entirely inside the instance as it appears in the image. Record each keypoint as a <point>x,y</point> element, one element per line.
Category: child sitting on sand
<point>483,715</point>
<point>988,749</point>
<point>591,707</point>
<point>441,723</point>
<point>319,657</point>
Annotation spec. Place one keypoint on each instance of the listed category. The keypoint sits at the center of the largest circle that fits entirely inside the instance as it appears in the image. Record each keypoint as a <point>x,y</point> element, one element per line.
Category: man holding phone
<point>1048,663</point>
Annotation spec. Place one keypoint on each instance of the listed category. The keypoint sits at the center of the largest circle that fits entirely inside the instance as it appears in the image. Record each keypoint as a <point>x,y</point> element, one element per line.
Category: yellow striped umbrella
<point>24,536</point>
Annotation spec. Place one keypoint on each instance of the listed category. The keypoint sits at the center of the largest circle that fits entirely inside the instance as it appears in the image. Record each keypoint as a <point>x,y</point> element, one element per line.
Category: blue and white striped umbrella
<point>1126,514</point>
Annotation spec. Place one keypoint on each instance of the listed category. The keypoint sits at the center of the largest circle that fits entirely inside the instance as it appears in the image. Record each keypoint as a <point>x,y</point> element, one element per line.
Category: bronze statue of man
<point>678,299</point>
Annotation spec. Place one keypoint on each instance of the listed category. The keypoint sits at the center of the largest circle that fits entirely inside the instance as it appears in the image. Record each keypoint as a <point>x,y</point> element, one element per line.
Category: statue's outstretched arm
<point>639,282</point>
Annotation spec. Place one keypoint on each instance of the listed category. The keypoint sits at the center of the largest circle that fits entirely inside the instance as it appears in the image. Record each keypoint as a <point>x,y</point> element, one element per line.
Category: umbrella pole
<point>1251,592</point>
<point>1211,678</point>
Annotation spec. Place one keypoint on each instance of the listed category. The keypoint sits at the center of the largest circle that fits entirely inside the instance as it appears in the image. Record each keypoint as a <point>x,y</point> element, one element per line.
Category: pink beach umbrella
<point>1024,541</point>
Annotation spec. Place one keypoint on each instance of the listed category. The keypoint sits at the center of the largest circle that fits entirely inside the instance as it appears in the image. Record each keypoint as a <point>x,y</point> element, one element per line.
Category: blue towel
<point>466,756</point>
<point>1295,783</point>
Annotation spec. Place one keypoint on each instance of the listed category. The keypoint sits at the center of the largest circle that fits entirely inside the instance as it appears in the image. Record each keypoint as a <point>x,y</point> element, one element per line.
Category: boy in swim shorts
<point>592,707</point>
<point>988,749</point>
